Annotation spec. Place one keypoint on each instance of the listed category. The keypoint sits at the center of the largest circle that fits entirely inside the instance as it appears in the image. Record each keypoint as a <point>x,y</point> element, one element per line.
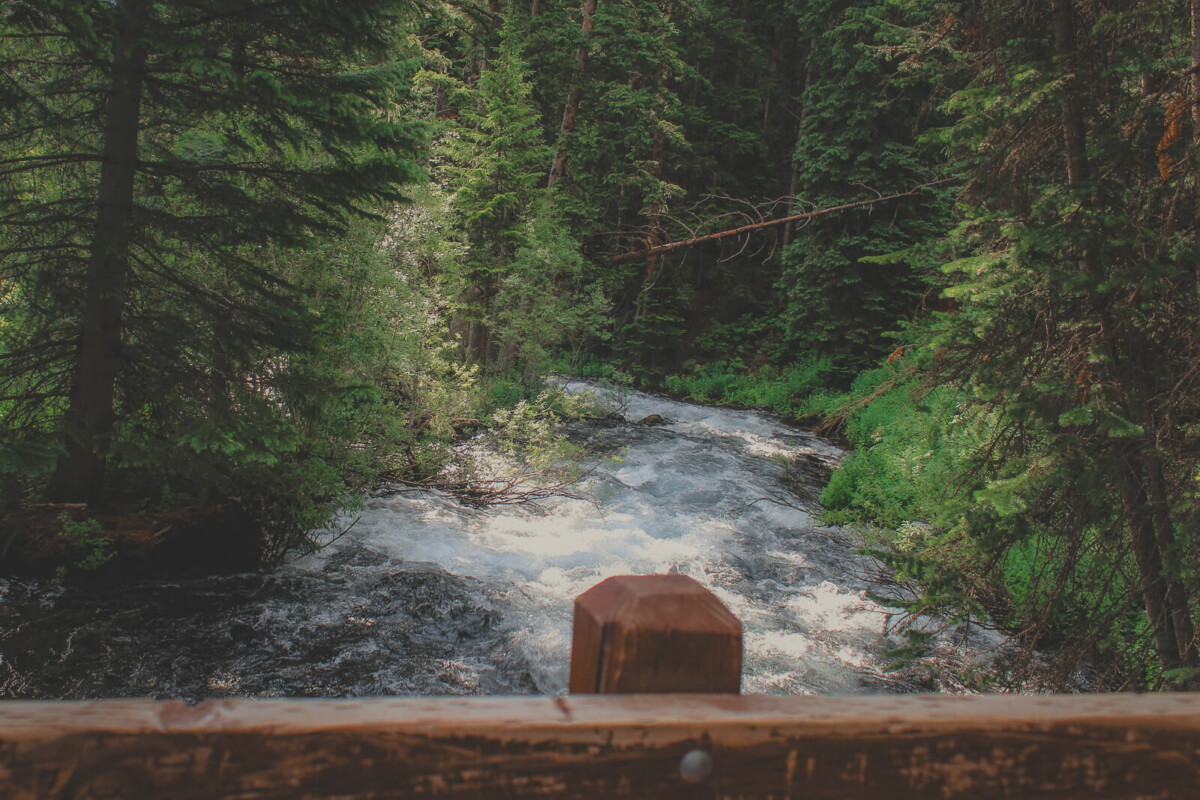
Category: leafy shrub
<point>92,548</point>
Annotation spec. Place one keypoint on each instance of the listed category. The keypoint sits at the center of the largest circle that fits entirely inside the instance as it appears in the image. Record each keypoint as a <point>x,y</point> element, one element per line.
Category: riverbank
<point>68,540</point>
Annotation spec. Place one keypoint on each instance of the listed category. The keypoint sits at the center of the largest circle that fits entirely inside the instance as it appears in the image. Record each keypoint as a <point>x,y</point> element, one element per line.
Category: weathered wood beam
<point>630,746</point>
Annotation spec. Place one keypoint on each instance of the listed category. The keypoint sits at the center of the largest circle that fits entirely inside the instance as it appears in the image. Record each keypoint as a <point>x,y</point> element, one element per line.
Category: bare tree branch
<point>638,255</point>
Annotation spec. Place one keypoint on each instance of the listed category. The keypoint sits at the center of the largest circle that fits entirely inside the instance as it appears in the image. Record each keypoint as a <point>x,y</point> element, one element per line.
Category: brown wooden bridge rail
<point>636,745</point>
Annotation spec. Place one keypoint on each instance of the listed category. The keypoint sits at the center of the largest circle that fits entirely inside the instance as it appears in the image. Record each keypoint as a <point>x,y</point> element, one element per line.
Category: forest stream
<point>422,595</point>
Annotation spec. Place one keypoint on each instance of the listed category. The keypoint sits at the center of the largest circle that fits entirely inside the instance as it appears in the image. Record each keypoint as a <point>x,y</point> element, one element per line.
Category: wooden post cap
<point>656,634</point>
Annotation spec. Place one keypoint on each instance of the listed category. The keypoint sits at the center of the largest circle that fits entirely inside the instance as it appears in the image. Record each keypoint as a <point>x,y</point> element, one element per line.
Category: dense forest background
<point>271,254</point>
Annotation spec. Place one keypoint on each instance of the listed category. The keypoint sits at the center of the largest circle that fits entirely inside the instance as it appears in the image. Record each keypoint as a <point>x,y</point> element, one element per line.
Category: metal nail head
<point>696,766</point>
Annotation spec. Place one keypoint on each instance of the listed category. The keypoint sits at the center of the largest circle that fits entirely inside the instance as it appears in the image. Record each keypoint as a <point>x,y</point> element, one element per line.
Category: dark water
<point>424,596</point>
<point>360,625</point>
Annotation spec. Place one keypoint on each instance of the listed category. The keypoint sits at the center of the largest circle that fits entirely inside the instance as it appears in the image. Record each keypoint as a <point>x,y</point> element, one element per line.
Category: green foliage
<point>1076,330</point>
<point>1033,443</point>
<point>742,341</point>
<point>283,328</point>
<point>378,393</point>
<point>518,284</point>
<point>523,456</point>
<point>529,432</point>
<point>915,647</point>
<point>86,537</point>
<point>980,545</point>
<point>848,279</point>
<point>545,303</point>
<point>633,72</point>
<point>785,392</point>
<point>262,139</point>
<point>910,445</point>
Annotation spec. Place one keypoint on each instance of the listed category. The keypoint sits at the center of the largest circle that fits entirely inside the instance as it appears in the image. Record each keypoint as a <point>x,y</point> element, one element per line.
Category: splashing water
<point>425,596</point>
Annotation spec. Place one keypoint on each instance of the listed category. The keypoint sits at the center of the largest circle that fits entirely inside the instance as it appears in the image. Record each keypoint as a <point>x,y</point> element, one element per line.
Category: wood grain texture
<point>652,634</point>
<point>1087,746</point>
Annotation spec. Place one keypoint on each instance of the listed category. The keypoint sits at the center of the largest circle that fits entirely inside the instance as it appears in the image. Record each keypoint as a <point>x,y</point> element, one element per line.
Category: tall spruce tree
<point>498,173</point>
<point>1073,274</point>
<point>157,158</point>
<point>620,155</point>
<point>860,115</point>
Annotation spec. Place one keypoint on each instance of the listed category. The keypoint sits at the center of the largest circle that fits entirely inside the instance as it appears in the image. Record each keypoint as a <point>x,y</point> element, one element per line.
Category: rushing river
<point>425,596</point>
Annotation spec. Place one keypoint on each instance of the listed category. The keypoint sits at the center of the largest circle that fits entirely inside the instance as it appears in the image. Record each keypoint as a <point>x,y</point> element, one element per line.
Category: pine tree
<point>157,158</point>
<point>499,170</point>
<point>1072,269</point>
<point>858,128</point>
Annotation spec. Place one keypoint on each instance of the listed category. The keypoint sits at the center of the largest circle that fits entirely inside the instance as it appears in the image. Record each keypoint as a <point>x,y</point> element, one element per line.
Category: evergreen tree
<point>1072,270</point>
<point>620,157</point>
<point>519,283</point>
<point>499,169</point>
<point>860,115</point>
<point>158,159</point>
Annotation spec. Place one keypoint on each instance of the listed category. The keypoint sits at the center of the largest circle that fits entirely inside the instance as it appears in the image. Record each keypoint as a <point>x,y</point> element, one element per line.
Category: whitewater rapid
<point>703,495</point>
<point>422,595</point>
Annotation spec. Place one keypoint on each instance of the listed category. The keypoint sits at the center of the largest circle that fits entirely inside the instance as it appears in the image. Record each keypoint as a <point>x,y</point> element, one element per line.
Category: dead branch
<point>638,255</point>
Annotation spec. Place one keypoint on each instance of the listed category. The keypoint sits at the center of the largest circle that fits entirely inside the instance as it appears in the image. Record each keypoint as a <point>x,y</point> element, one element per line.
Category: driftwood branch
<point>638,255</point>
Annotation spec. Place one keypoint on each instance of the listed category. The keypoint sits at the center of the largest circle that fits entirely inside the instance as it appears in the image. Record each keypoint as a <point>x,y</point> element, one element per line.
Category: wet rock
<point>360,624</point>
<point>807,474</point>
<point>653,420</point>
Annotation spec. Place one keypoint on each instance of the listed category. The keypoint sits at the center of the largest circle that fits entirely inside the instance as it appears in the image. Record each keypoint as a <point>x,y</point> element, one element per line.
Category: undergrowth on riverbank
<point>967,548</point>
<point>785,390</point>
<point>956,539</point>
<point>797,392</point>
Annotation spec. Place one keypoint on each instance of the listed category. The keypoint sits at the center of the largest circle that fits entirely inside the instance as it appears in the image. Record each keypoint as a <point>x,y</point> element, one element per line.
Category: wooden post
<point>654,634</point>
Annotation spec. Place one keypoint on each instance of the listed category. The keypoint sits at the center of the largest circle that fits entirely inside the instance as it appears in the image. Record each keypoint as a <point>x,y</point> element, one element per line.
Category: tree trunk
<point>475,325</point>
<point>1149,530</point>
<point>772,72</point>
<point>1150,571</point>
<point>1146,508</point>
<point>1178,602</point>
<point>559,168</point>
<point>658,155</point>
<point>639,255</point>
<point>794,184</point>
<point>90,415</point>
<point>1195,69</point>
<point>1073,125</point>
<point>1074,132</point>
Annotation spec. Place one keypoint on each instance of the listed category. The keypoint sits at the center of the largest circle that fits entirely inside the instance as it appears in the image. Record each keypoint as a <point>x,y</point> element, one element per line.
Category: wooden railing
<point>632,634</point>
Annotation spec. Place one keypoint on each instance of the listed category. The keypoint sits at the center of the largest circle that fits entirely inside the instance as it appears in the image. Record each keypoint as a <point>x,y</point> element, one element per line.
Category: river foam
<point>423,595</point>
<point>702,495</point>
